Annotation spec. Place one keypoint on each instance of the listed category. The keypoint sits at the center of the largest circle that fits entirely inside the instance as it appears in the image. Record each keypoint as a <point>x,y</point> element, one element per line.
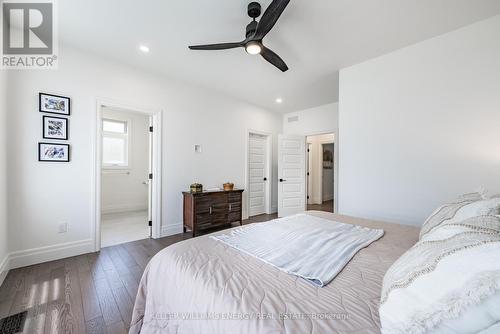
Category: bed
<point>204,286</point>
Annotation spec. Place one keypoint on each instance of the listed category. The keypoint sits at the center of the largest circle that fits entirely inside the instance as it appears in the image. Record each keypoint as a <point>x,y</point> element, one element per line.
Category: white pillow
<point>467,206</point>
<point>438,283</point>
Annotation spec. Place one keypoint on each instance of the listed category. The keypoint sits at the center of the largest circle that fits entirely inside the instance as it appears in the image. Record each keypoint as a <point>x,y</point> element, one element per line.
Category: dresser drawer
<point>234,207</point>
<point>234,197</point>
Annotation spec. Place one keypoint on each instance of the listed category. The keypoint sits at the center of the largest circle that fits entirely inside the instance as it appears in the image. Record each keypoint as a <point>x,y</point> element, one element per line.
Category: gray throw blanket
<point>310,247</point>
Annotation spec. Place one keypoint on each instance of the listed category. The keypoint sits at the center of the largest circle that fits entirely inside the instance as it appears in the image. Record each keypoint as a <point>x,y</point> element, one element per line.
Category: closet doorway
<point>321,172</point>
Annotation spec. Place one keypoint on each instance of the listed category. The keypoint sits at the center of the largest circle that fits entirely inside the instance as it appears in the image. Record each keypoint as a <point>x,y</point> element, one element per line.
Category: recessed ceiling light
<point>279,100</point>
<point>144,48</point>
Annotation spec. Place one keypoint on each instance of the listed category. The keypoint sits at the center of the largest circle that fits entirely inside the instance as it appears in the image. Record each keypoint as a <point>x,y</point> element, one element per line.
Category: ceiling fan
<point>255,32</point>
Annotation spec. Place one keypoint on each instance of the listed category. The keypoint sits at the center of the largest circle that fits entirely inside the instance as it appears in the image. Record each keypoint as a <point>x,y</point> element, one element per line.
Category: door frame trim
<point>96,184</point>
<point>269,168</point>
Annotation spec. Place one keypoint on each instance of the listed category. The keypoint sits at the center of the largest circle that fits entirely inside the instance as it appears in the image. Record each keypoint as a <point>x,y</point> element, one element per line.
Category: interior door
<point>258,176</point>
<point>291,175</point>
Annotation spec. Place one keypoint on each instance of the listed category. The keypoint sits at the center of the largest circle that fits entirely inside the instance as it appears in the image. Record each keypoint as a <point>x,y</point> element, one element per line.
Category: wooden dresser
<point>211,209</point>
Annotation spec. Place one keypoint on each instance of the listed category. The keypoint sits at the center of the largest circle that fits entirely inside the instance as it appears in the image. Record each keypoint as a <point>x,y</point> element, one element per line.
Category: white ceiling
<point>316,38</point>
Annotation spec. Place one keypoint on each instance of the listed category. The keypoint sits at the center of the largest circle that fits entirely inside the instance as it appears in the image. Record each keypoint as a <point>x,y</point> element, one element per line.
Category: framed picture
<point>55,128</point>
<point>53,152</point>
<point>54,104</point>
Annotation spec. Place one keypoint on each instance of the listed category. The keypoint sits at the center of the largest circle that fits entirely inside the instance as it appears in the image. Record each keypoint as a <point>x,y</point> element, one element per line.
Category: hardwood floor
<point>326,206</point>
<point>91,293</point>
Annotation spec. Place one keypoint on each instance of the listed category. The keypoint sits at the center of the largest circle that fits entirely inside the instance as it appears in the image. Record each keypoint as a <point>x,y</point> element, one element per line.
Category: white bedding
<point>306,246</point>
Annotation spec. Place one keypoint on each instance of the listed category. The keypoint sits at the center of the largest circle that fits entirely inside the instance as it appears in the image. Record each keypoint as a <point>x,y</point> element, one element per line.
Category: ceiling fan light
<point>253,48</point>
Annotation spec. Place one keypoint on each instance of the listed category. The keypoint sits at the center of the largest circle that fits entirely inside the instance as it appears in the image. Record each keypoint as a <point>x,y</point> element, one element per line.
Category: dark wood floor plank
<point>118,328</point>
<point>109,309</point>
<point>114,279</point>
<point>137,272</point>
<point>95,266</point>
<point>5,307</point>
<point>125,304</point>
<point>82,263</point>
<point>91,307</point>
<point>96,326</point>
<point>131,285</point>
<point>119,264</point>
<point>35,322</point>
<point>25,295</point>
<point>55,301</point>
<point>138,255</point>
<point>125,256</point>
<point>105,260</point>
<point>73,311</point>
<point>8,289</point>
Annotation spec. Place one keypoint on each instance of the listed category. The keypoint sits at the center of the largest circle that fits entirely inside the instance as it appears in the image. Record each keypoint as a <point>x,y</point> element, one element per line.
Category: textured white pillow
<point>466,206</point>
<point>439,285</point>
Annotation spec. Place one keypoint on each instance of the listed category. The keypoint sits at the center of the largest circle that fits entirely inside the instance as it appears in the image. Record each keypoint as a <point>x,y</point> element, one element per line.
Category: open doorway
<point>125,176</point>
<point>320,172</point>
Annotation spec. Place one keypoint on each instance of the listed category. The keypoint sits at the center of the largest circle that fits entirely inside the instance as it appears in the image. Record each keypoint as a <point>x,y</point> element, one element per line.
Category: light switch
<point>197,148</point>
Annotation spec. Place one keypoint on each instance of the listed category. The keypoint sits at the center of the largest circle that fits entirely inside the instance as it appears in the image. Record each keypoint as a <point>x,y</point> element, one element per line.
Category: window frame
<point>125,136</point>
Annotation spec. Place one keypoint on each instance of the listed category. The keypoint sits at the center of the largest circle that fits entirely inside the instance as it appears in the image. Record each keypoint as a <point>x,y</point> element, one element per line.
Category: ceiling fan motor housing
<point>254,9</point>
<point>251,28</point>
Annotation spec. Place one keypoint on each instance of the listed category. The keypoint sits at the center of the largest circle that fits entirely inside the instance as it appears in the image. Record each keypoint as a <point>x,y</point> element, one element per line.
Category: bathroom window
<point>115,144</point>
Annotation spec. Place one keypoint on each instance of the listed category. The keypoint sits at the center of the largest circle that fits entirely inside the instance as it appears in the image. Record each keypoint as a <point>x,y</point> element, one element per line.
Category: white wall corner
<point>32,256</point>
<point>171,229</point>
<point>4,268</point>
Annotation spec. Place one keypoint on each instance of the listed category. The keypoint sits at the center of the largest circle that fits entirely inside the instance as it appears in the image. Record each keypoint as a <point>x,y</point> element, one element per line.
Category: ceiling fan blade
<point>220,46</point>
<point>273,58</point>
<point>270,17</point>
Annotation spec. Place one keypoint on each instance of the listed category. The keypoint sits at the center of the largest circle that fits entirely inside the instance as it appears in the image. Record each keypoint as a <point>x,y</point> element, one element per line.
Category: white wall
<point>4,247</point>
<point>421,125</point>
<point>322,119</point>
<point>123,190</point>
<point>315,187</point>
<point>43,194</point>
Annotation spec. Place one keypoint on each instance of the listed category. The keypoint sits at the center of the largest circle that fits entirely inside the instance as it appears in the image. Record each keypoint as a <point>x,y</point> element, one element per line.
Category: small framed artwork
<point>54,104</point>
<point>53,152</point>
<point>55,128</point>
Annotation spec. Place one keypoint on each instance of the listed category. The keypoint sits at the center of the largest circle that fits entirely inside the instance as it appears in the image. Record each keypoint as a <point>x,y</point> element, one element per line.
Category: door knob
<point>281,180</point>
<point>265,179</point>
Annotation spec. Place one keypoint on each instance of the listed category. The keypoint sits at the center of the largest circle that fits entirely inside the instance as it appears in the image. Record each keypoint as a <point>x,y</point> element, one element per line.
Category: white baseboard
<point>172,229</point>
<point>4,268</point>
<point>123,208</point>
<point>32,256</point>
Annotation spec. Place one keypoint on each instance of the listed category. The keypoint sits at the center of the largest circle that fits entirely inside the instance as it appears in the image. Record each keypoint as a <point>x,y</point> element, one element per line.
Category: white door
<point>257,173</point>
<point>291,175</point>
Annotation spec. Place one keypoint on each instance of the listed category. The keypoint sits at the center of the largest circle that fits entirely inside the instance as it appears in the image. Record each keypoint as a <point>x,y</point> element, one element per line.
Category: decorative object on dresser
<point>205,210</point>
<point>196,188</point>
<point>228,186</point>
